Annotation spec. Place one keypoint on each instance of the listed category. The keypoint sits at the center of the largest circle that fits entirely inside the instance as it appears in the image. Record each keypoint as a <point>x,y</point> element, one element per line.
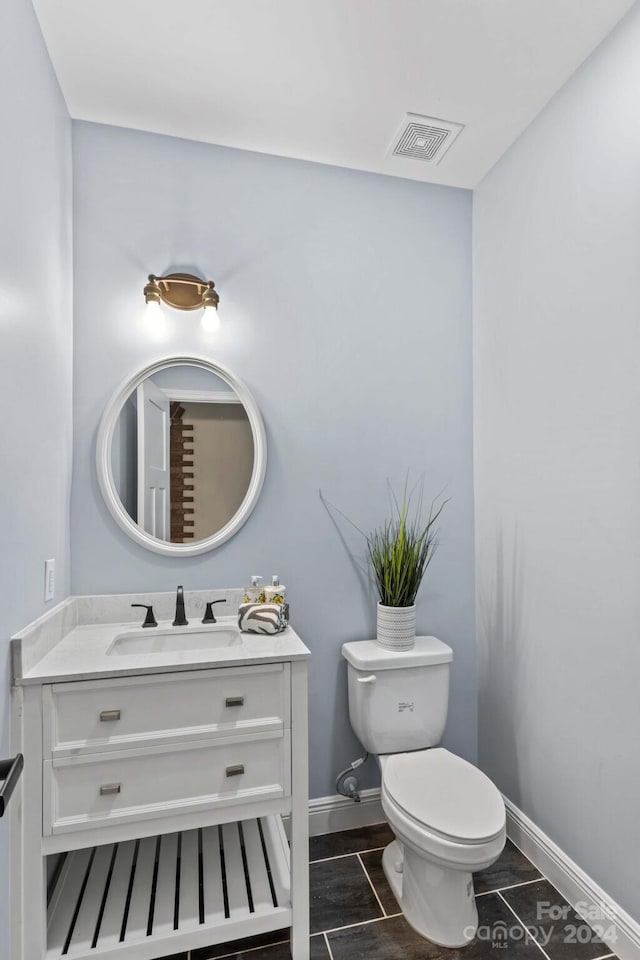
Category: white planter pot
<point>396,627</point>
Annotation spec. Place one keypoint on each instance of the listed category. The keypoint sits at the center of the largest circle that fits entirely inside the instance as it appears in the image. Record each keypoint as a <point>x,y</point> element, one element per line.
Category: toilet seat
<point>445,795</point>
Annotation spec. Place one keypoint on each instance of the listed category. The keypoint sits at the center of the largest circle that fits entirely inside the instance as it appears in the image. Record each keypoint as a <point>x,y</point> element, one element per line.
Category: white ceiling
<point>324,80</point>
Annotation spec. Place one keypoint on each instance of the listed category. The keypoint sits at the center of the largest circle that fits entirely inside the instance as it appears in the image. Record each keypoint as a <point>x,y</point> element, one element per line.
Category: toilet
<point>447,816</point>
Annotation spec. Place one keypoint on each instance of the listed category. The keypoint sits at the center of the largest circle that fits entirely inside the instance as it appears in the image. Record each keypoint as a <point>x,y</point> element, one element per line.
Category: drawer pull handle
<point>107,715</point>
<point>235,770</point>
<point>108,789</point>
<point>234,702</point>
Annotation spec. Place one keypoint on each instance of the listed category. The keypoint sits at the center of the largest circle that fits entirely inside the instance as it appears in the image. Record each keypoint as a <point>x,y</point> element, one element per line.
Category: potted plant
<point>399,553</point>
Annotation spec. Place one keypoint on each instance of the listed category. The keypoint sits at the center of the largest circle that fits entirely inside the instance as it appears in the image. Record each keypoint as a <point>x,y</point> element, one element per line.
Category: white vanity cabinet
<point>151,819</point>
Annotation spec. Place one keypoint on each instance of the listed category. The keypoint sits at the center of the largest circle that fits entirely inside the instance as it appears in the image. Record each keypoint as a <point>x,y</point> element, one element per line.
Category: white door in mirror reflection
<point>153,460</point>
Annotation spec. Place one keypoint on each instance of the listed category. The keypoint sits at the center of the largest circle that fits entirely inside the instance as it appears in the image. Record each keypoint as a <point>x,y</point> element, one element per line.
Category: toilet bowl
<point>447,816</point>
<point>449,821</point>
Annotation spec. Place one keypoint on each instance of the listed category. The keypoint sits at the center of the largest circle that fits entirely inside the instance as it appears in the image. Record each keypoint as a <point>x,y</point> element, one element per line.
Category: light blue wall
<point>557,459</point>
<point>345,299</point>
<point>36,336</point>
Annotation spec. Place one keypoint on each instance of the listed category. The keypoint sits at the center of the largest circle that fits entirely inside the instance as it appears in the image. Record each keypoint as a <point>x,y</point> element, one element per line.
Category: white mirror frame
<point>105,471</point>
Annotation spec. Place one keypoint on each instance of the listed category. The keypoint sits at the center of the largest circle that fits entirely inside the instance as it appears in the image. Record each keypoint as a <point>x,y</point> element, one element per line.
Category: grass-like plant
<point>401,550</point>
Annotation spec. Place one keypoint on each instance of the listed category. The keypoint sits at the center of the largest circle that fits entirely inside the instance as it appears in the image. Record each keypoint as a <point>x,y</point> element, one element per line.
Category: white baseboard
<point>332,814</point>
<point>572,882</point>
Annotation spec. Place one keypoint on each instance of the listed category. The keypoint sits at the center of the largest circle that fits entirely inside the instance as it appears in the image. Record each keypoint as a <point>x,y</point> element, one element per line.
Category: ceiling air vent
<point>424,138</point>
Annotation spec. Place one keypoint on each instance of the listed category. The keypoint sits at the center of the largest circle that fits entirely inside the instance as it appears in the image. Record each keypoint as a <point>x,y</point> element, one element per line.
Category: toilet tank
<point>398,699</point>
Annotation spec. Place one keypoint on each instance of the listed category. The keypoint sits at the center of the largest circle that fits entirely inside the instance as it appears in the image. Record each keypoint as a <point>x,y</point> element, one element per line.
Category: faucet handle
<point>208,616</point>
<point>149,620</point>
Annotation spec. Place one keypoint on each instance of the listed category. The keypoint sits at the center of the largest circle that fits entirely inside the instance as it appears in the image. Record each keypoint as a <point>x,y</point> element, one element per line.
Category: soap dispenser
<point>254,593</point>
<point>275,593</point>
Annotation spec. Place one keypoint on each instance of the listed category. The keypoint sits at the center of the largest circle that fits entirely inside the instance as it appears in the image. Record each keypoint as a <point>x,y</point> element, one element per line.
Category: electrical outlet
<point>49,579</point>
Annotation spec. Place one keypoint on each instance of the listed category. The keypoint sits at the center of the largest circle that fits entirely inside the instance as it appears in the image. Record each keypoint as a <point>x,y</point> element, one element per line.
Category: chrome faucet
<point>180,619</point>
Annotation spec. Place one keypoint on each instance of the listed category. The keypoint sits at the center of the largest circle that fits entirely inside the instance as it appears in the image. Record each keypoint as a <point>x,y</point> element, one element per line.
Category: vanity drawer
<point>134,785</point>
<point>129,712</point>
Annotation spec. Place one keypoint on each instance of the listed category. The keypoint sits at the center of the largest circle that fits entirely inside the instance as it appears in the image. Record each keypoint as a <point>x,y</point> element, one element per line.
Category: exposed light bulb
<point>210,319</point>
<point>155,320</point>
<point>153,314</point>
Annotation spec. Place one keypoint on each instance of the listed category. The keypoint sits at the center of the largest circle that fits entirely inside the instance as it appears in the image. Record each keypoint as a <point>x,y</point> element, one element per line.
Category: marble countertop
<point>58,649</point>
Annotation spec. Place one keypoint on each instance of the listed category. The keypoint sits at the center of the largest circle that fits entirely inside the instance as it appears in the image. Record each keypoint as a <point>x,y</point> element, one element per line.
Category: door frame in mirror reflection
<point>154,418</point>
<point>104,464</point>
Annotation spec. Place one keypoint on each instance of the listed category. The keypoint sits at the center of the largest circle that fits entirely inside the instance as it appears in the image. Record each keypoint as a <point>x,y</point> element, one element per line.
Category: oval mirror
<point>181,455</point>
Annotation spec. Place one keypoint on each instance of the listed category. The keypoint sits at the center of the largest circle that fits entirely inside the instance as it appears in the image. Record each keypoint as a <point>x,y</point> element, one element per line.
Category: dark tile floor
<point>355,916</point>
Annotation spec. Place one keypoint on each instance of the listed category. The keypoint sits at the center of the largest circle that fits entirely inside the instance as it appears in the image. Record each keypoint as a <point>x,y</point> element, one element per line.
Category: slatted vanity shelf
<point>127,899</point>
<point>150,819</point>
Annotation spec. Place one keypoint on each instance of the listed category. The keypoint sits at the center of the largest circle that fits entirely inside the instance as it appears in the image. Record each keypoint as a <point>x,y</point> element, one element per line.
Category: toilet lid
<point>446,794</point>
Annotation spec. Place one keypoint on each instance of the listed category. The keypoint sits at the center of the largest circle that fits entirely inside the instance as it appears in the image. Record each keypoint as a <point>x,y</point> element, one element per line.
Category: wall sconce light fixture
<point>183,291</point>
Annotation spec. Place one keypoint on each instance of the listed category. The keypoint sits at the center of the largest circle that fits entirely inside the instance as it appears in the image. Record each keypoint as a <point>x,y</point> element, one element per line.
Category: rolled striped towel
<point>263,617</point>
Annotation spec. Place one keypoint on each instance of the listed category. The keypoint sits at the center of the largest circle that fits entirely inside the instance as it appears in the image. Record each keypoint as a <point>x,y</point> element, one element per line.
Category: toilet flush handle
<point>370,679</point>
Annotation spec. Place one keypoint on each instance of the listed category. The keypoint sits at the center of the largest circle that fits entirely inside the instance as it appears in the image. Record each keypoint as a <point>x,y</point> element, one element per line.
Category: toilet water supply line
<point>346,783</point>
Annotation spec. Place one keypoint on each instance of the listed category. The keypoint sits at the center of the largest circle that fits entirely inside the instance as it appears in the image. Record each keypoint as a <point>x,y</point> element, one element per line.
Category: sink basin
<point>175,639</point>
